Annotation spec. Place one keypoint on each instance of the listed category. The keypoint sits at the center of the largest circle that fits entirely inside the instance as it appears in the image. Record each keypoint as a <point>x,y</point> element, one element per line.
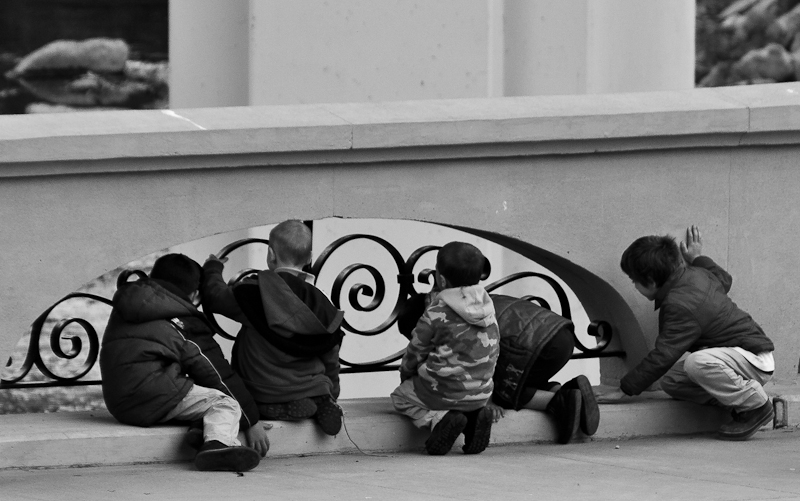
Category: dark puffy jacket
<point>695,312</point>
<point>155,347</point>
<point>524,329</point>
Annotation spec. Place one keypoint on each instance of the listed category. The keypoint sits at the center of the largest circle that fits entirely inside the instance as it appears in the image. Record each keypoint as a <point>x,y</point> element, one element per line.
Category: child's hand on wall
<point>693,246</point>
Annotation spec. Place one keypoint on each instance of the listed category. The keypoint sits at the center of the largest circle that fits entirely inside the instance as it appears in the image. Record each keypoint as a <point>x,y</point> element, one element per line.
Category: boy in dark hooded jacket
<point>287,351</point>
<point>160,362</point>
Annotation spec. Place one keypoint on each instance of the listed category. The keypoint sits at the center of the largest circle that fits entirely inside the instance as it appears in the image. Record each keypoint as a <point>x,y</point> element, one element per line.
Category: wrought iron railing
<point>376,292</point>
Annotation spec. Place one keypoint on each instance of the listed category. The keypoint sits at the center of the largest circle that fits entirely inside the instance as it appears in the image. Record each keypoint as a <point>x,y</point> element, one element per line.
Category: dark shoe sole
<point>569,422</point>
<point>227,459</point>
<point>590,412</point>
<point>289,411</point>
<point>479,440</point>
<point>445,433</point>
<point>749,432</point>
<point>328,416</point>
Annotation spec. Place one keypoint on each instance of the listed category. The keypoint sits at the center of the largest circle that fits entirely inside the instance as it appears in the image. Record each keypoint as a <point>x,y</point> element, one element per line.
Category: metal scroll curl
<point>59,334</point>
<point>376,292</point>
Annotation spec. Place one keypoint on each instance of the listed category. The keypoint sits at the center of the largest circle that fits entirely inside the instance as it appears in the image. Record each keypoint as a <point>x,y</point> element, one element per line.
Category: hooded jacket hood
<point>472,303</point>
<point>146,300</point>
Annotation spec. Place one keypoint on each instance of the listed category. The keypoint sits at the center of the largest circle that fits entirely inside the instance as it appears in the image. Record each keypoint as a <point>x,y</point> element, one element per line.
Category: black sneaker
<point>445,433</point>
<point>478,431</point>
<point>328,415</point>
<point>590,412</point>
<point>216,456</point>
<point>566,408</point>
<point>745,424</point>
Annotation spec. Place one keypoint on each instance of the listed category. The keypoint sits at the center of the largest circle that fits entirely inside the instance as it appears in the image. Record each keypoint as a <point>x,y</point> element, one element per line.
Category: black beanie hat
<point>178,270</point>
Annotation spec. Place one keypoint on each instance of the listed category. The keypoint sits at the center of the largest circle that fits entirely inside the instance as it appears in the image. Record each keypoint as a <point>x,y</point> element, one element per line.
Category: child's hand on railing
<point>212,257</point>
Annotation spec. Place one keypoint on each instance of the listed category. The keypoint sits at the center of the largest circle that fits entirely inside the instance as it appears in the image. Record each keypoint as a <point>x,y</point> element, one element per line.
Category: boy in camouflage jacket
<point>446,372</point>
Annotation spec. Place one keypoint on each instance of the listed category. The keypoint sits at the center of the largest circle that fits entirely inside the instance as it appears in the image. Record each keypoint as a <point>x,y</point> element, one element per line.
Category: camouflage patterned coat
<point>453,350</point>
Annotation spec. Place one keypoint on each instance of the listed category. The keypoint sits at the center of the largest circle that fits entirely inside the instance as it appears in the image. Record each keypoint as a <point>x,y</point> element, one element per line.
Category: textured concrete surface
<point>655,468</point>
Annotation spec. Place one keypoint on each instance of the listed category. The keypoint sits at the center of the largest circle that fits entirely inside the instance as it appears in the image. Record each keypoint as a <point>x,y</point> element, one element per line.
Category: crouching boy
<point>729,357</point>
<point>159,363</point>
<point>446,372</point>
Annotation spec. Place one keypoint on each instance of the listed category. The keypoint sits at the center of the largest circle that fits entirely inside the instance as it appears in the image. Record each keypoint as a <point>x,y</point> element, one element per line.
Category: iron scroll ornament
<point>407,297</point>
<point>33,354</point>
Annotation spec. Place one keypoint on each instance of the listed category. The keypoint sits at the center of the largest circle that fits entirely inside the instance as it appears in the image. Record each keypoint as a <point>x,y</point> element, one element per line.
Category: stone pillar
<point>598,46</point>
<point>266,52</point>
<point>209,47</point>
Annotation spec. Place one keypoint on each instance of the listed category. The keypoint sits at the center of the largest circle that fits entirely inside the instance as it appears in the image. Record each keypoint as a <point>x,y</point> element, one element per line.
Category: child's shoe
<point>216,456</point>
<point>566,408</point>
<point>745,424</point>
<point>289,411</point>
<point>478,430</point>
<point>329,415</point>
<point>445,433</point>
<point>590,412</point>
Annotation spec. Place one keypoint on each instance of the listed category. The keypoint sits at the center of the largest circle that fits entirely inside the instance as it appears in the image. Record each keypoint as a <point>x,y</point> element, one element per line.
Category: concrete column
<point>312,51</point>
<point>640,45</point>
<point>262,52</point>
<point>598,46</point>
<point>209,47</point>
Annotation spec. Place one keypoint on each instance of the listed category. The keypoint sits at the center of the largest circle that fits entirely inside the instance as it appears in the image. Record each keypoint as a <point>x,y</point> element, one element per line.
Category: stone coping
<point>730,116</point>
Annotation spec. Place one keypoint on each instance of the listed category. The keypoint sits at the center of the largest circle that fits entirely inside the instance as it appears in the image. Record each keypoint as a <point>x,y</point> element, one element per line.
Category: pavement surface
<point>693,467</point>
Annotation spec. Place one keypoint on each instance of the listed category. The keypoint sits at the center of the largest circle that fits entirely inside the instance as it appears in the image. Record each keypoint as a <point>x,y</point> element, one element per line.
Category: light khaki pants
<point>220,414</point>
<point>719,376</point>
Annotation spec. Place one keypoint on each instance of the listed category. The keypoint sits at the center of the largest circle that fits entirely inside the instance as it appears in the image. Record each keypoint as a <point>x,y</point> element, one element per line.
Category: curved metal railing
<point>375,292</point>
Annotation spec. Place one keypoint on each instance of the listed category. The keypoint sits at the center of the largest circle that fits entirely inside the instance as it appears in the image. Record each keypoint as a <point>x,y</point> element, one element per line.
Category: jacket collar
<point>302,275</point>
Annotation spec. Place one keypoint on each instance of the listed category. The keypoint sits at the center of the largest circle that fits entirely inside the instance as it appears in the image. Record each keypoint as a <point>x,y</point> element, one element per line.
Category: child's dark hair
<point>291,242</point>
<point>651,259</point>
<point>181,271</point>
<point>460,263</point>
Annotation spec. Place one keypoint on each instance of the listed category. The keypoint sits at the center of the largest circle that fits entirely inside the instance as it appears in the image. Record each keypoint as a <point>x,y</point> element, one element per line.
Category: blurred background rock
<point>745,42</point>
<point>73,55</point>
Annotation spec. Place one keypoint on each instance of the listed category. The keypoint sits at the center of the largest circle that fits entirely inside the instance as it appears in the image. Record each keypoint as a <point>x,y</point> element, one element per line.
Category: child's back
<point>457,374</point>
<point>287,351</point>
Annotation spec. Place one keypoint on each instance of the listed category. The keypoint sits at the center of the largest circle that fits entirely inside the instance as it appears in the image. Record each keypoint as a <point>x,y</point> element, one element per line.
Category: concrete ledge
<point>714,117</point>
<point>371,425</point>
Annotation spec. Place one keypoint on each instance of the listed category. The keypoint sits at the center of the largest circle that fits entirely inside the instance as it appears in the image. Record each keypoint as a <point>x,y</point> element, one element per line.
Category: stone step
<point>370,426</point>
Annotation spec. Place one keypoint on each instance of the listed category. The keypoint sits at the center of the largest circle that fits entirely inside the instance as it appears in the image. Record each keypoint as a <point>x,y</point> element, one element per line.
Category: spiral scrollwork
<point>33,355</point>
